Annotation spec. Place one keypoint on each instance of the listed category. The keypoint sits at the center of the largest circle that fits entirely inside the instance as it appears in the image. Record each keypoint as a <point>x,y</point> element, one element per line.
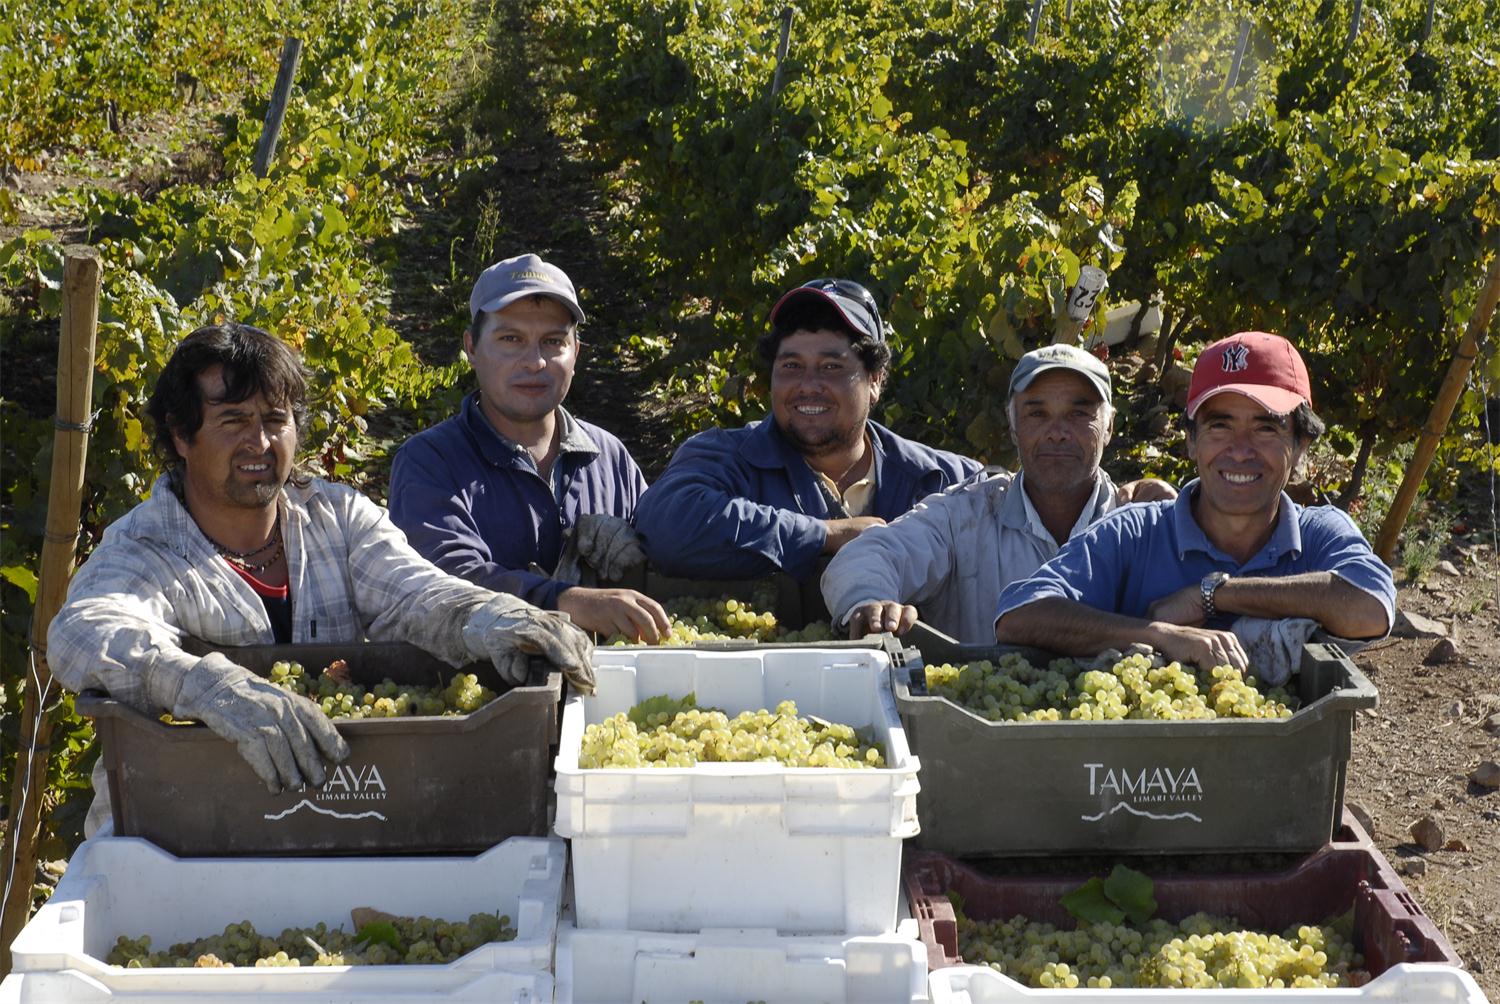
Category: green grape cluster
<point>387,699</point>
<point>696,619</point>
<point>1201,952</point>
<point>698,735</point>
<point>1133,686</point>
<point>409,941</point>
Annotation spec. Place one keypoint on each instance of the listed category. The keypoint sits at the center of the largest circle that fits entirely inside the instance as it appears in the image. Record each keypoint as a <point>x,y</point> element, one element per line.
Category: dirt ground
<point>1414,754</point>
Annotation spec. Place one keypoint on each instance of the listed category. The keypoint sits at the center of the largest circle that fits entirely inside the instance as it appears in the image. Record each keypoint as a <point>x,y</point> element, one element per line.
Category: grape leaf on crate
<point>1089,903</point>
<point>662,704</point>
<point>1132,892</point>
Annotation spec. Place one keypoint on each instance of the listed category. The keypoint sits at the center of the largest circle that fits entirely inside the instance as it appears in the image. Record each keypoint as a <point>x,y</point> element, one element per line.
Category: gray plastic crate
<point>1135,786</point>
<point>443,785</point>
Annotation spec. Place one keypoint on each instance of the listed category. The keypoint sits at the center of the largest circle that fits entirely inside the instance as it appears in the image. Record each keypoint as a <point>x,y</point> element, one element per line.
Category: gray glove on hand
<point>283,737</point>
<point>507,630</point>
<point>1274,647</point>
<point>607,544</point>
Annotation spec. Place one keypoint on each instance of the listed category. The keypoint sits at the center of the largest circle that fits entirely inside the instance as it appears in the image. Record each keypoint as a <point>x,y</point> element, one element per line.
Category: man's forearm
<point>1341,608</point>
<point>1068,627</point>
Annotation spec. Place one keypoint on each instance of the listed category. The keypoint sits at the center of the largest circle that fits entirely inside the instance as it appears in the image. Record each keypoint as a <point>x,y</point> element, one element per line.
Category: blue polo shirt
<point>1140,553</point>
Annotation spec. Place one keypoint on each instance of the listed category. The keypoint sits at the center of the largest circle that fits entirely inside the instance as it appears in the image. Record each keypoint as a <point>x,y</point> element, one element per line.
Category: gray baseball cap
<point>1061,357</point>
<point>505,282</point>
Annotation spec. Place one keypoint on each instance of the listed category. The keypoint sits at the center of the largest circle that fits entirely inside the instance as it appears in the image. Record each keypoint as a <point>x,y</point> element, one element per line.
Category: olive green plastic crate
<point>1134,786</point>
<point>436,785</point>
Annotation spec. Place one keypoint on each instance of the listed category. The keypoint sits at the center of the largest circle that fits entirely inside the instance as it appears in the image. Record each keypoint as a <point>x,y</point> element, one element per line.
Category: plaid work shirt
<point>155,580</point>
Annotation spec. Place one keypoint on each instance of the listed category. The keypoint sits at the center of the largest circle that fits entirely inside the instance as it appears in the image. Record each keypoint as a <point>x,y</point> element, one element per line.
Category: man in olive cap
<point>514,492</point>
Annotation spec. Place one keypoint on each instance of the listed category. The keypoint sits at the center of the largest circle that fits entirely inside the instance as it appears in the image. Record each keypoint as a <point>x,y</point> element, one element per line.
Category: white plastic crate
<point>72,987</point>
<point>802,850</point>
<point>731,967</point>
<point>126,886</point>
<point>1407,983</point>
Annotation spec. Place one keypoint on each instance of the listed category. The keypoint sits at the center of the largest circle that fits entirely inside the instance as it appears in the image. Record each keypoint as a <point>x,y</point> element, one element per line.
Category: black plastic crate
<point>1134,786</point>
<point>791,603</point>
<point>449,785</point>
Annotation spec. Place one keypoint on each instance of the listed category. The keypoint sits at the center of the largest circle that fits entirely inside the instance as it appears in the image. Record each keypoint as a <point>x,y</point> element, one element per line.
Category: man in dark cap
<point>780,492</point>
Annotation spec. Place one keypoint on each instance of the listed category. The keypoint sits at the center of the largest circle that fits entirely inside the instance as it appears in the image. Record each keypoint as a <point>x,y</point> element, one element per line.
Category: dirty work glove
<point>507,630</point>
<point>607,544</point>
<point>283,737</point>
<point>1274,647</point>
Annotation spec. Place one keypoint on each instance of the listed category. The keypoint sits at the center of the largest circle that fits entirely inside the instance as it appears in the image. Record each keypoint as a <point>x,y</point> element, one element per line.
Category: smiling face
<point>820,392</point>
<point>523,357</point>
<point>1245,457</point>
<point>1060,427</point>
<point>242,453</point>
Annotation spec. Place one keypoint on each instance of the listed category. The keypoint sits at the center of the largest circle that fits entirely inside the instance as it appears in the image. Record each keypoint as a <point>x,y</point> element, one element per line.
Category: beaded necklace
<point>240,559</point>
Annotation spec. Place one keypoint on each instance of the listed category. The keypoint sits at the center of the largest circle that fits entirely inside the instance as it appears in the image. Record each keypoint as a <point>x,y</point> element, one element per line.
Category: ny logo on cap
<point>1236,358</point>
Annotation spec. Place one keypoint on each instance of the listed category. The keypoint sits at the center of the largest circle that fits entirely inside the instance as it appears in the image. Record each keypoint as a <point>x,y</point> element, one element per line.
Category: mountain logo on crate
<point>347,783</point>
<point>305,804</point>
<point>1143,814</point>
<point>1158,786</point>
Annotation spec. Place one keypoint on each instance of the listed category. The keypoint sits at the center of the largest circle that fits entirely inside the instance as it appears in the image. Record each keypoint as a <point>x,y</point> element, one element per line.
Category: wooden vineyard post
<point>1437,419</point>
<point>781,48</point>
<point>1239,56</point>
<point>75,389</point>
<point>265,149</point>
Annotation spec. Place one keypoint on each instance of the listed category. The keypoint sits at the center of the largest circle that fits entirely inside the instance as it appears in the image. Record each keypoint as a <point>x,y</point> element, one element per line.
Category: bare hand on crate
<point>284,738</point>
<point>881,615</point>
<point>507,630</point>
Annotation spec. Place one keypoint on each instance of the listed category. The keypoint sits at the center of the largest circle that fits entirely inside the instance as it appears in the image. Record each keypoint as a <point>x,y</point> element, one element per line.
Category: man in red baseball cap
<point>1200,577</point>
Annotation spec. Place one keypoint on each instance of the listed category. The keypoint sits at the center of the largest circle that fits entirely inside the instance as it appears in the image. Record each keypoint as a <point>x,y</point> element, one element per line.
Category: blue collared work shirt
<point>472,502</point>
<point>1140,553</point>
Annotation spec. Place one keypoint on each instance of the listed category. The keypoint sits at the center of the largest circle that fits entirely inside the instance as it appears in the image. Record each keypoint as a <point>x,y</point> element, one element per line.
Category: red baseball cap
<point>1265,368</point>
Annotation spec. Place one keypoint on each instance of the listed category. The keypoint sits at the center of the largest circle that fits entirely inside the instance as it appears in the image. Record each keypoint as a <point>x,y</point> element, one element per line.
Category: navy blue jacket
<point>473,503</point>
<point>738,503</point>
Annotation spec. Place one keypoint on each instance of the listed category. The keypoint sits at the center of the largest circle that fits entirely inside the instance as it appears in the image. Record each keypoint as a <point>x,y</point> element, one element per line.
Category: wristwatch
<point>1210,584</point>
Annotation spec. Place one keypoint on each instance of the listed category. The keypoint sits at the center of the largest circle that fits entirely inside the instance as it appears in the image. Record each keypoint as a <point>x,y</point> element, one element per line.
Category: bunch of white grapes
<point>1201,952</point>
<point>407,941</point>
<point>387,699</point>
<point>698,735</point>
<point>696,619</point>
<point>1135,686</point>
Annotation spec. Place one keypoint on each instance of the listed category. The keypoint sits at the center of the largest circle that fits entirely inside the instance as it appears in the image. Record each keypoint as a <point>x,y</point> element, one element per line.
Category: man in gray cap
<point>513,492</point>
<point>955,551</point>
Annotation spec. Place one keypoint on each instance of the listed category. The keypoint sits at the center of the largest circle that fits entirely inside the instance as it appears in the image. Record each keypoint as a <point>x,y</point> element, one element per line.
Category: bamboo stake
<point>1036,20</point>
<point>265,149</point>
<point>75,389</point>
<point>1442,411</point>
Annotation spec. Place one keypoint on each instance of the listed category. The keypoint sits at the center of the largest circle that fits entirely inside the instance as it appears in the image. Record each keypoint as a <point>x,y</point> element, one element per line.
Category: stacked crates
<point>1086,793</point>
<point>385,832</point>
<point>739,881</point>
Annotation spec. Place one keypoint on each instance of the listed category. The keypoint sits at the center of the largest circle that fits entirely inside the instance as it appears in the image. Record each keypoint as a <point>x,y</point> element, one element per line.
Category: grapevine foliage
<point>299,252</point>
<point>1338,195</point>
